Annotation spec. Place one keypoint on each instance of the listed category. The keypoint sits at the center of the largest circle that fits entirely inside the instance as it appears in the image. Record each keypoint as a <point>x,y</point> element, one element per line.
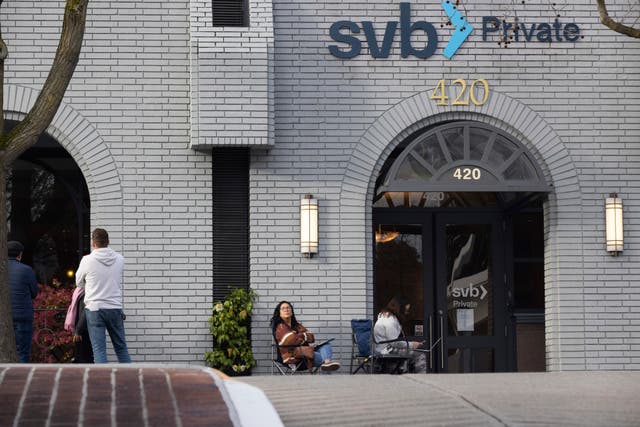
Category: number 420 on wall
<point>464,92</point>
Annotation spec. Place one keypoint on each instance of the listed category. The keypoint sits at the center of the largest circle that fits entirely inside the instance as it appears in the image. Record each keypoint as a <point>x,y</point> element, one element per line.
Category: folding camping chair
<point>290,368</point>
<point>363,353</point>
<point>361,346</point>
<point>285,368</point>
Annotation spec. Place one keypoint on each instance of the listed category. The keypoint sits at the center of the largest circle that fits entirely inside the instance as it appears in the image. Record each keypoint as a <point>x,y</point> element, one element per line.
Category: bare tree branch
<point>614,25</point>
<point>8,351</point>
<point>4,52</point>
<point>27,132</point>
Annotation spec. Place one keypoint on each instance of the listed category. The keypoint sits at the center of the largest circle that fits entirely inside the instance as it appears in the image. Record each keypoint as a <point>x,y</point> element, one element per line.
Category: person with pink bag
<point>76,323</point>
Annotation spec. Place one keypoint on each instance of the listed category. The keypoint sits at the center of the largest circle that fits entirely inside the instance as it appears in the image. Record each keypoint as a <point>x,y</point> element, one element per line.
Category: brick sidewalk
<point>122,395</point>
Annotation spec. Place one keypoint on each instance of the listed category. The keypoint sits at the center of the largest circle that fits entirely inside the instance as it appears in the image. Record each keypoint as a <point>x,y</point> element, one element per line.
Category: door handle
<point>431,343</point>
<point>441,315</point>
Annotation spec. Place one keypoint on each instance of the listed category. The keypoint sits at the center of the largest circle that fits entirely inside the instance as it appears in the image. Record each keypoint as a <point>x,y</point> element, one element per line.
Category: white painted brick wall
<point>132,84</point>
<point>587,93</point>
<point>231,79</point>
<point>154,81</point>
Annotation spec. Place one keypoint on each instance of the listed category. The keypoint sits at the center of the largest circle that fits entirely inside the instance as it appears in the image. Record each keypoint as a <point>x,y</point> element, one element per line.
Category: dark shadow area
<point>48,209</point>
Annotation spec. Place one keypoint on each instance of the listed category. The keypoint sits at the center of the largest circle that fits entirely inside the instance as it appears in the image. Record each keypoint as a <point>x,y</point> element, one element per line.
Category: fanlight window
<point>463,156</point>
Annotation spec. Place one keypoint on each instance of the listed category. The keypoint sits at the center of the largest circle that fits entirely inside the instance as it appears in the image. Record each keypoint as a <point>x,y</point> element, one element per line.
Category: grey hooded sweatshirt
<point>100,274</point>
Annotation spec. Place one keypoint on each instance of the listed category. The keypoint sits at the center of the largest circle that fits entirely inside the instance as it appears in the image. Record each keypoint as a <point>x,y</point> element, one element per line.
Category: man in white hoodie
<point>100,274</point>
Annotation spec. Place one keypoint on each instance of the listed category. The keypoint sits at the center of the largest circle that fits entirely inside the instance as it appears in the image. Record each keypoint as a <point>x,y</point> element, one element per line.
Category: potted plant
<point>229,326</point>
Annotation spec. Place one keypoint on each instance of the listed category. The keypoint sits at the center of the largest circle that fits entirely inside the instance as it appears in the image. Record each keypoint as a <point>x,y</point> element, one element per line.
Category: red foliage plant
<point>50,342</point>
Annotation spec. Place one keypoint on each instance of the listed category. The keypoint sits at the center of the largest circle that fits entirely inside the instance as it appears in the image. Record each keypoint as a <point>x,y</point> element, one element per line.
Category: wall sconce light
<point>614,229</point>
<point>308,226</point>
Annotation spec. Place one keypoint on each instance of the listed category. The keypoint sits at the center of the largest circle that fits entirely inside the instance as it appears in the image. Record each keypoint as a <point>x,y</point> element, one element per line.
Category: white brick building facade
<point>158,87</point>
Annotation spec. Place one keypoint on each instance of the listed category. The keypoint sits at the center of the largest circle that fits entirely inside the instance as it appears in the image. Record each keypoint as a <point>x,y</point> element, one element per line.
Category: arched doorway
<point>458,228</point>
<point>48,209</point>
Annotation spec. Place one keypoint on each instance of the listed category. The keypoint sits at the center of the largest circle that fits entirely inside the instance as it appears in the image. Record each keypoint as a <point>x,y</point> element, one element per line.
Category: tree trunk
<point>3,56</point>
<point>614,25</point>
<point>26,134</point>
<point>8,352</point>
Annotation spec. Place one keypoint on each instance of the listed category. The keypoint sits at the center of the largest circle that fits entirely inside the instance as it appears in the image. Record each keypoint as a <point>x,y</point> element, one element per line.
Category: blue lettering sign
<point>571,32</point>
<point>462,29</point>
<point>389,33</point>
<point>344,32</point>
<point>544,32</point>
<point>336,35</point>
<point>407,28</point>
<point>354,45</point>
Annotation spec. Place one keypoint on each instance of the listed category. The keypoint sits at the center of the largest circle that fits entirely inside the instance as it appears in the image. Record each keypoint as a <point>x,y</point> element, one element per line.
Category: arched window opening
<point>48,210</point>
<point>459,164</point>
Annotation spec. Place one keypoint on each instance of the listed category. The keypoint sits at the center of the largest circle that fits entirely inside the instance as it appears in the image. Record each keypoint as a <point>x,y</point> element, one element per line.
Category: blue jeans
<point>323,353</point>
<point>23,331</point>
<point>111,320</point>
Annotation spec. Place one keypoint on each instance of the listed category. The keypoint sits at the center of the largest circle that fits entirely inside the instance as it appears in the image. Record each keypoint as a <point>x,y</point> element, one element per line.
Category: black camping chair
<point>285,368</point>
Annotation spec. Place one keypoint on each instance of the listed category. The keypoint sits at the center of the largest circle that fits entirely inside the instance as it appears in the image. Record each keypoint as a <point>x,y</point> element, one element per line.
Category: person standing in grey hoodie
<point>100,274</point>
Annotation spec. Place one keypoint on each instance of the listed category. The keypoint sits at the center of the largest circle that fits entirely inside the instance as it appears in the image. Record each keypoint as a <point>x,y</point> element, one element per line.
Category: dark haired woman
<point>294,340</point>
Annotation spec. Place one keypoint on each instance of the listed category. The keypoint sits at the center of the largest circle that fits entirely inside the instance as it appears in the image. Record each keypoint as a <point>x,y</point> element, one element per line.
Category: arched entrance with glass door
<point>458,226</point>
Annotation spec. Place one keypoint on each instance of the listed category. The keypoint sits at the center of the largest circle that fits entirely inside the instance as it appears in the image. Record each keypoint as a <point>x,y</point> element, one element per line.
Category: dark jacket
<point>80,328</point>
<point>82,351</point>
<point>24,288</point>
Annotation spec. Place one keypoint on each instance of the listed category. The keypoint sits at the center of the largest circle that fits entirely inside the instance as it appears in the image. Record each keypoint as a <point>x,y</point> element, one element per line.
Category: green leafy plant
<point>229,325</point>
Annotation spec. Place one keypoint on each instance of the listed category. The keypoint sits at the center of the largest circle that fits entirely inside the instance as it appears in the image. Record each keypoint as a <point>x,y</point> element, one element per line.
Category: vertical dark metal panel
<point>230,220</point>
<point>230,13</point>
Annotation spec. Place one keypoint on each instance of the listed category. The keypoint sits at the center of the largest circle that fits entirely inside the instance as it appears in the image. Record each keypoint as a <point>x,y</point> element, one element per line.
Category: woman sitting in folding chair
<point>388,328</point>
<point>296,342</point>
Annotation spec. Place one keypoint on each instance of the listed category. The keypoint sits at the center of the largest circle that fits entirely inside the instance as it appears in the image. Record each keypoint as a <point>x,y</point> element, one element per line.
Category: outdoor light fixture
<point>613,211</point>
<point>308,226</point>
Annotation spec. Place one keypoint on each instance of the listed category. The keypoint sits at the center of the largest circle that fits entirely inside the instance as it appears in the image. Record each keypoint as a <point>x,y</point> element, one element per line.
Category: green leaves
<point>229,326</point>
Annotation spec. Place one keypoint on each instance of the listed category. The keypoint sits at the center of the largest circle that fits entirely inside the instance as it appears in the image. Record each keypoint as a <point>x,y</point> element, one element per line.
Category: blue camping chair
<point>361,346</point>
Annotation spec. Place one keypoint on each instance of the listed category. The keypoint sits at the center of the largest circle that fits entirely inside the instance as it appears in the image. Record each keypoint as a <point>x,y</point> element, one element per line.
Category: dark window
<point>528,260</point>
<point>529,281</point>
<point>230,220</point>
<point>528,284</point>
<point>48,210</point>
<point>528,236</point>
<point>230,13</point>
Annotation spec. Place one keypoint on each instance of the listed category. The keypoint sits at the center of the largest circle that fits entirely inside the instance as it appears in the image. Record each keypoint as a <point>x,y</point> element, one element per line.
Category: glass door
<point>450,268</point>
<point>403,264</point>
<point>470,295</point>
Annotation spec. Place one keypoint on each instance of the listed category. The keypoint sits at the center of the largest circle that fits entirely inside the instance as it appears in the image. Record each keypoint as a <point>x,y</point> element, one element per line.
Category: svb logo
<point>342,31</point>
<point>461,26</point>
